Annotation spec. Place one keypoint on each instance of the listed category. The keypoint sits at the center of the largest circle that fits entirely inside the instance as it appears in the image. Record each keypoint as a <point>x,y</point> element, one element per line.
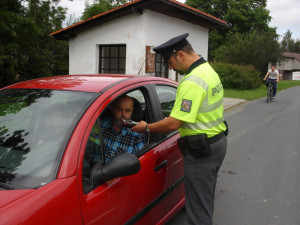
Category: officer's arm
<point>163,126</point>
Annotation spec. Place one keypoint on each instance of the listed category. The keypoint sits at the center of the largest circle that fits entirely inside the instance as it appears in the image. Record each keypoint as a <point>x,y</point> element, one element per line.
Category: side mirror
<point>124,164</point>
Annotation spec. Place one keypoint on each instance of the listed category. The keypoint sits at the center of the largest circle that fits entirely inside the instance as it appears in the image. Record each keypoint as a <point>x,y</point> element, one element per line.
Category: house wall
<point>287,67</point>
<point>84,49</point>
<point>289,64</point>
<point>161,28</point>
<point>136,31</point>
<point>296,65</point>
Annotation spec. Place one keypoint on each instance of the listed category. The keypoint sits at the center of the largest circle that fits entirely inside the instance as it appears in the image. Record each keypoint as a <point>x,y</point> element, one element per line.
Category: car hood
<point>8,196</point>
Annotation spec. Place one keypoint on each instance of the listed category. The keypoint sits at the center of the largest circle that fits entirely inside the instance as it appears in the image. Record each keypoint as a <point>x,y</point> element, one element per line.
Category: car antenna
<point>142,67</point>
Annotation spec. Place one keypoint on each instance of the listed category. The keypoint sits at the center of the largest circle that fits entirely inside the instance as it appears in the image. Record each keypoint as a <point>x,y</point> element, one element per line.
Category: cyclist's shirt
<point>199,101</point>
<point>273,75</point>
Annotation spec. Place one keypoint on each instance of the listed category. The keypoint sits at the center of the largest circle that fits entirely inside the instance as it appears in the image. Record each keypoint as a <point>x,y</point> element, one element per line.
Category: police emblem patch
<point>186,105</point>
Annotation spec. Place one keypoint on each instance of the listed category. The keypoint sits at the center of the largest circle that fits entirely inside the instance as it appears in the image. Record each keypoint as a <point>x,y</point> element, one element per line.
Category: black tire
<point>269,95</point>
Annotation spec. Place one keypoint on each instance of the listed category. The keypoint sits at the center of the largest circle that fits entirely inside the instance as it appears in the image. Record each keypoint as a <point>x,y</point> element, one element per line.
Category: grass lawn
<point>259,92</point>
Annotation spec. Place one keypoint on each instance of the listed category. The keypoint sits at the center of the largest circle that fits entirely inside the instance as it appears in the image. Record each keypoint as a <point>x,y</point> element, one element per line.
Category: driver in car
<point>118,138</point>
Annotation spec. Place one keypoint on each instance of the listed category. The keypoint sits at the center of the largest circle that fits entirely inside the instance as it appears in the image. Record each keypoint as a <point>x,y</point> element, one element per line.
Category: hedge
<point>237,76</point>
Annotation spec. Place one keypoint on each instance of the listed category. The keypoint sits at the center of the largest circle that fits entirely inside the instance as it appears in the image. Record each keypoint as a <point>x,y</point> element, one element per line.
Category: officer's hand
<point>141,127</point>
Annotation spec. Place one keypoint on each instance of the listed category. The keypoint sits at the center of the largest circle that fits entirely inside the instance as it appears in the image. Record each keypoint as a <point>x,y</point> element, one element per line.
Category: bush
<point>237,76</point>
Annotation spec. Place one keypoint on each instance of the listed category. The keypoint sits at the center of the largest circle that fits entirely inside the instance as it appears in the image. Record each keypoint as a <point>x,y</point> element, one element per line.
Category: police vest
<point>207,116</point>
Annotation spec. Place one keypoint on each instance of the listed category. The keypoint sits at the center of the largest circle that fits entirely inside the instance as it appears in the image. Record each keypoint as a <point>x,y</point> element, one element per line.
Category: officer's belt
<point>198,145</point>
<point>216,138</point>
<point>210,140</point>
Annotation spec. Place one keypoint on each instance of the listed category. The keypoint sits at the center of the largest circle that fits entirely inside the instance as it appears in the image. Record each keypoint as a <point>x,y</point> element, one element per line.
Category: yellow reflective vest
<point>199,101</point>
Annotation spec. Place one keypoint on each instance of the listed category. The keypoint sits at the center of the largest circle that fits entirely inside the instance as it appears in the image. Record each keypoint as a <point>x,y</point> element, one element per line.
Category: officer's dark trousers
<point>200,177</point>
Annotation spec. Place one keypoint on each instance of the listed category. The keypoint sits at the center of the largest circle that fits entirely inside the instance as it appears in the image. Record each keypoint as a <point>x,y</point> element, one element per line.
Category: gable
<point>292,55</point>
<point>171,8</point>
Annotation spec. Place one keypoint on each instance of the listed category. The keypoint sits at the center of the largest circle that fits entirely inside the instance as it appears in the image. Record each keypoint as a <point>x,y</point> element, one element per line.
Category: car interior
<point>93,153</point>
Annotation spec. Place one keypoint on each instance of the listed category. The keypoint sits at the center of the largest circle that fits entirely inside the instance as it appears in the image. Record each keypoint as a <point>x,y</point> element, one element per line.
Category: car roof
<point>87,83</point>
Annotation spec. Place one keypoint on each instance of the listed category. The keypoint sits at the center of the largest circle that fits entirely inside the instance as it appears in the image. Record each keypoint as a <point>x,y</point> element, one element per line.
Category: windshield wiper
<point>7,186</point>
<point>3,176</point>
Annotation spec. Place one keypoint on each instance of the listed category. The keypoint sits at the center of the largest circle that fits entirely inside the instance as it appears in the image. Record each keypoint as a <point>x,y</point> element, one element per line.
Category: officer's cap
<point>172,46</point>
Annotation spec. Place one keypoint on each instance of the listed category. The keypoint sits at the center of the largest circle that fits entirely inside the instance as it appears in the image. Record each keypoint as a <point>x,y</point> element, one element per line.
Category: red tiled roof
<point>94,17</point>
<point>292,55</point>
<point>175,8</point>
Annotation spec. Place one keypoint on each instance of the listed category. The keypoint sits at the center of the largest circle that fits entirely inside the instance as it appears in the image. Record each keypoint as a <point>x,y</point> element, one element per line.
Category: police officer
<point>198,114</point>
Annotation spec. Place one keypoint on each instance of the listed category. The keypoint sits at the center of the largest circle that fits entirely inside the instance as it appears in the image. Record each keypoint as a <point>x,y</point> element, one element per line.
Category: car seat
<point>138,112</point>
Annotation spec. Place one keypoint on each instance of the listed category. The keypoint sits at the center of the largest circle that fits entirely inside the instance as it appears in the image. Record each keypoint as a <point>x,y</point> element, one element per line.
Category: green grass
<point>259,92</point>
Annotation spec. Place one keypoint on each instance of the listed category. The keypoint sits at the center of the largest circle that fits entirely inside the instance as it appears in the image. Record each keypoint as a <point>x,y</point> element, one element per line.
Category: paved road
<point>259,181</point>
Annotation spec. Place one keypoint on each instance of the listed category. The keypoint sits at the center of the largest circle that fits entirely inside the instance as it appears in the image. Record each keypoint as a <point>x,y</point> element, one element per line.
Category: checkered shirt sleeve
<point>124,141</point>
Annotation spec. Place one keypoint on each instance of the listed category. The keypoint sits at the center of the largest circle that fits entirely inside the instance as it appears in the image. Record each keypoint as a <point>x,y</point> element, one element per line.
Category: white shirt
<point>273,74</point>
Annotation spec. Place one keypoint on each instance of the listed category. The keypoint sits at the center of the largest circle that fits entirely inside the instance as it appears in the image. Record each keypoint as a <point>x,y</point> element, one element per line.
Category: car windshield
<point>35,126</point>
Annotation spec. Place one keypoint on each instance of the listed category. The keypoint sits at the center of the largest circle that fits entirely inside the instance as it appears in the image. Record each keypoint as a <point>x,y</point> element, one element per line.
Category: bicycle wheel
<point>271,93</point>
<point>268,94</point>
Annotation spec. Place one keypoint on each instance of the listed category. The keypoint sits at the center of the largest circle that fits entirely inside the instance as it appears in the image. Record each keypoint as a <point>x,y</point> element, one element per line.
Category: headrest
<point>138,112</point>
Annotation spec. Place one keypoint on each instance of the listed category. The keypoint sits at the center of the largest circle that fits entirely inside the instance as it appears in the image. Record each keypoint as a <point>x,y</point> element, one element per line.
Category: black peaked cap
<point>172,46</point>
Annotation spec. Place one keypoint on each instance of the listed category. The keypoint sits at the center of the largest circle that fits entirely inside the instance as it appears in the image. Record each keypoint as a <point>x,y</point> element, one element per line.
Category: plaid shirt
<point>123,141</point>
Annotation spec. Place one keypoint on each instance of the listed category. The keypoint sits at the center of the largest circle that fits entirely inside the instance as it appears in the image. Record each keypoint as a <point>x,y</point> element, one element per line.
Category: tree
<point>242,16</point>
<point>26,50</point>
<point>288,44</point>
<point>100,6</point>
<point>44,50</point>
<point>253,48</point>
<point>10,21</point>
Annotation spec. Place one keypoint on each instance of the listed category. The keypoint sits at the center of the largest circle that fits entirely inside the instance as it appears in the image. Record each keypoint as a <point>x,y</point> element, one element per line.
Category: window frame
<point>110,69</point>
<point>164,136</point>
<point>161,67</point>
<point>149,116</point>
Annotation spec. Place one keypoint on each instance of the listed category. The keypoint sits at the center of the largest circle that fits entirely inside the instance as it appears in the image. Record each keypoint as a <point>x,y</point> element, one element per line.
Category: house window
<point>112,59</point>
<point>161,68</point>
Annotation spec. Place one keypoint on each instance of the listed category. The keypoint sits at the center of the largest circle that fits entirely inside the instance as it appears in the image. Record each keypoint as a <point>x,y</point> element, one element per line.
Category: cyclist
<point>272,76</point>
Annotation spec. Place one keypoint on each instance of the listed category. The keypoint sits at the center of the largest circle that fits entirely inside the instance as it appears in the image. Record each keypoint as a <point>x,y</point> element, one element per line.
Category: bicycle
<point>270,92</point>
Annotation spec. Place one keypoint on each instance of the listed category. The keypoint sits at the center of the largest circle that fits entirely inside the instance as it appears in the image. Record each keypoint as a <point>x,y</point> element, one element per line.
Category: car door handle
<point>160,166</point>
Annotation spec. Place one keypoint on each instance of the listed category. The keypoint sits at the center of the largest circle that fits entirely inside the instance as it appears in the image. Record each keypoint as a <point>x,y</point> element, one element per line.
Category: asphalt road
<point>259,181</point>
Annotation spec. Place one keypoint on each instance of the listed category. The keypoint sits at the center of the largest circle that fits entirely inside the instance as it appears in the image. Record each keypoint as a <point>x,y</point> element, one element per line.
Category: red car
<point>48,140</point>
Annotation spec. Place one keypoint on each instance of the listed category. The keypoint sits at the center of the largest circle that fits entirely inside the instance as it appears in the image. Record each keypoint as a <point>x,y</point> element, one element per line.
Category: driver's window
<point>106,141</point>
<point>117,135</point>
<point>93,154</point>
<point>166,96</point>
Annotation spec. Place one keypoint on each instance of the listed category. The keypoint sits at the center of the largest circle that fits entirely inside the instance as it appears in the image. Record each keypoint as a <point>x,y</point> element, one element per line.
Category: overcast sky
<point>285,14</point>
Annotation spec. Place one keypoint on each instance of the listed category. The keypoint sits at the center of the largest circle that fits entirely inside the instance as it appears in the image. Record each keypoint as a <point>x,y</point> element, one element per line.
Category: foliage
<point>9,27</point>
<point>288,44</point>
<point>26,49</point>
<point>255,48</point>
<point>237,76</point>
<point>100,6</point>
<point>241,16</point>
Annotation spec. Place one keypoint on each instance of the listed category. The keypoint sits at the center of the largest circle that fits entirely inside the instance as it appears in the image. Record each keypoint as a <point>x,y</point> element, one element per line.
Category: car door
<point>166,95</point>
<point>130,199</point>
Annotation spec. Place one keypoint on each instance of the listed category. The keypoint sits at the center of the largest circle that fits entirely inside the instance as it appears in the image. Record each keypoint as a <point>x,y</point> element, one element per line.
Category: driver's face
<point>122,111</point>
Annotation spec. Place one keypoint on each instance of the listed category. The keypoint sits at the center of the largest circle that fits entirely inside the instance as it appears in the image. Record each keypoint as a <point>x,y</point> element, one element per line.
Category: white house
<point>289,65</point>
<point>120,41</point>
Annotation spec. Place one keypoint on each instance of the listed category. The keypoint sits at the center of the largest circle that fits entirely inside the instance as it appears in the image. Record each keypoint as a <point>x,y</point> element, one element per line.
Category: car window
<point>166,96</point>
<point>93,154</point>
<point>34,128</point>
<point>103,144</point>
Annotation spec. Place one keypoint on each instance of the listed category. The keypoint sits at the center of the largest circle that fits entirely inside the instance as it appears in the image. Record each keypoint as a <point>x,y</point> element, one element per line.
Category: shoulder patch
<point>186,105</point>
